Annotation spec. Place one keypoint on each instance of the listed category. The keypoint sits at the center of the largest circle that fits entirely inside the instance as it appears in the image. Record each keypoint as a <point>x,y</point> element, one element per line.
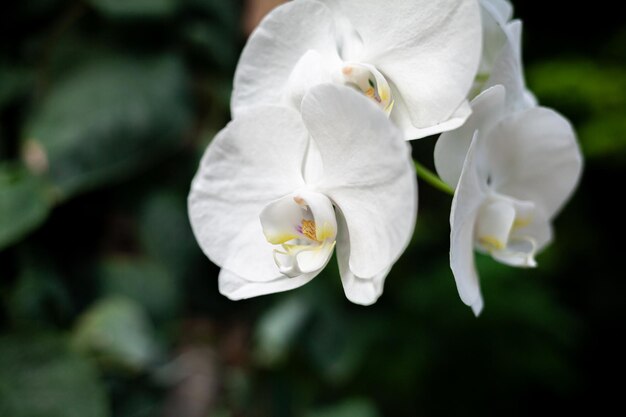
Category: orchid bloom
<point>416,59</point>
<point>278,189</point>
<point>512,173</point>
<point>501,62</point>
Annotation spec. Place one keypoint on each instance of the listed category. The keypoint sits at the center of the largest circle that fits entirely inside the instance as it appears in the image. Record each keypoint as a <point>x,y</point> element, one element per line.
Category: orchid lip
<point>371,82</point>
<point>499,230</point>
<point>304,229</point>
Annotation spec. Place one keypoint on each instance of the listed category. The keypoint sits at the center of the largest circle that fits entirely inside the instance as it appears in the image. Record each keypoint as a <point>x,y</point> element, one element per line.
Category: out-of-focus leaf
<point>337,344</point>
<point>116,332</point>
<point>579,84</point>
<point>356,407</point>
<point>40,377</point>
<point>23,203</point>
<point>14,81</point>
<point>604,135</point>
<point>39,295</point>
<point>135,8</point>
<point>143,281</point>
<point>39,7</point>
<point>107,118</point>
<point>278,327</point>
<point>165,232</point>
<point>212,41</point>
<point>225,12</point>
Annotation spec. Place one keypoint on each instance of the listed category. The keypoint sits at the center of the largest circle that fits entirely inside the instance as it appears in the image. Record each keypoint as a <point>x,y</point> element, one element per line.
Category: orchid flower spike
<point>512,173</point>
<point>501,62</point>
<point>277,190</point>
<point>416,59</point>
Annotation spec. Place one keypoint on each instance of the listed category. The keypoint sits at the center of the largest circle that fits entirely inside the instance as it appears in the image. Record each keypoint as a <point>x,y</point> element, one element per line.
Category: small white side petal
<point>534,156</point>
<point>508,70</point>
<point>276,46</point>
<point>451,148</point>
<point>429,49</point>
<point>237,288</point>
<point>368,173</point>
<point>494,15</point>
<point>501,10</point>
<point>468,198</point>
<point>256,159</point>
<point>363,291</point>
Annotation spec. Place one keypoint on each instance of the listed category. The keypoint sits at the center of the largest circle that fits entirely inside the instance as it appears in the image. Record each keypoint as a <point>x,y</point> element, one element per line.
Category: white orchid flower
<point>512,173</point>
<point>501,62</point>
<point>277,190</point>
<point>416,59</point>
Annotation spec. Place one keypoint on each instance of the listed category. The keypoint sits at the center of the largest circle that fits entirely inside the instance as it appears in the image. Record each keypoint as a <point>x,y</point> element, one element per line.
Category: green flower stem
<point>432,178</point>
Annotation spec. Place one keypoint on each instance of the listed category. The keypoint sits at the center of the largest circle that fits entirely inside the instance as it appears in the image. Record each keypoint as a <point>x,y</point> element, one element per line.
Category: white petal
<point>256,159</point>
<point>451,148</point>
<point>466,204</point>
<point>508,70</point>
<point>429,50</point>
<point>309,71</point>
<point>402,119</point>
<point>237,288</point>
<point>494,14</point>
<point>501,10</point>
<point>368,173</point>
<point>363,291</point>
<point>534,157</point>
<point>276,46</point>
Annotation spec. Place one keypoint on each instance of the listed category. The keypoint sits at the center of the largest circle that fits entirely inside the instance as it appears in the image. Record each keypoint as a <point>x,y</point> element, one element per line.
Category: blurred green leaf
<point>213,42</point>
<point>23,203</point>
<point>349,408</point>
<point>106,119</point>
<point>165,232</point>
<point>225,12</point>
<point>579,83</point>
<point>40,377</point>
<point>143,281</point>
<point>14,82</point>
<point>337,342</point>
<point>604,135</point>
<point>278,327</point>
<point>39,295</point>
<point>135,8</point>
<point>116,332</point>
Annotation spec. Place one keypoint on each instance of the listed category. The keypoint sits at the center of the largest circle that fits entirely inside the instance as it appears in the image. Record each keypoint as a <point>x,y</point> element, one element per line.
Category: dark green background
<point>109,308</point>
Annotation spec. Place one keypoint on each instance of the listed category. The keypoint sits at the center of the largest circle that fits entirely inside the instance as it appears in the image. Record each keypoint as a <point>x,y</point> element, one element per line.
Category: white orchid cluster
<point>326,94</point>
